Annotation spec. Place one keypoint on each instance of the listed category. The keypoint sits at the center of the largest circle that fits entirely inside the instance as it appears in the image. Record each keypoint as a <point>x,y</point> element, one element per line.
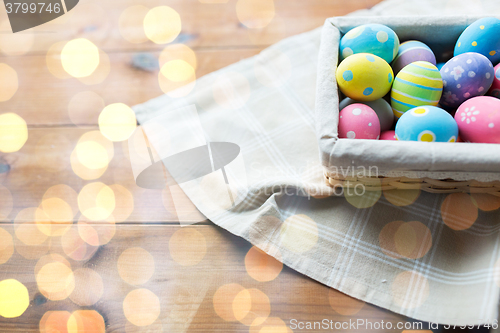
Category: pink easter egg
<point>358,121</point>
<point>388,135</point>
<point>478,120</point>
<point>495,86</point>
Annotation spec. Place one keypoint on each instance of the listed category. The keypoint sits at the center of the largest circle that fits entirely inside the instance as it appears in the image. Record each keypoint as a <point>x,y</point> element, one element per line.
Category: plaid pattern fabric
<point>430,257</point>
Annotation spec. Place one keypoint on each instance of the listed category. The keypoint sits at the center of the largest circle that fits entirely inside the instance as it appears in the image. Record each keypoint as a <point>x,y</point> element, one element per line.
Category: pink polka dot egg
<point>358,121</point>
<point>478,120</point>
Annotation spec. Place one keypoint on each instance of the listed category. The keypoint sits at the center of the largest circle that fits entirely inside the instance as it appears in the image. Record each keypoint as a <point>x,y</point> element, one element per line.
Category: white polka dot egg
<point>358,121</point>
<point>478,120</point>
<point>427,124</point>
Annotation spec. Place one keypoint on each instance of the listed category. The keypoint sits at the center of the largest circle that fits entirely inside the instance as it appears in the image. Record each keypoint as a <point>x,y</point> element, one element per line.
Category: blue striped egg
<point>412,51</point>
<point>376,39</point>
<point>482,37</point>
<point>417,84</point>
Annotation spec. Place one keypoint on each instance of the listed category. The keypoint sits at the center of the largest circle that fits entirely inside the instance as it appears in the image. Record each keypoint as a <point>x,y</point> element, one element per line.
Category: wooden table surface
<point>140,272</point>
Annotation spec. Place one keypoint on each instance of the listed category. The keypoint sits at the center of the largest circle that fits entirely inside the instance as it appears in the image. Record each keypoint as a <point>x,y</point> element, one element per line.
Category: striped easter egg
<point>417,84</point>
<point>411,51</point>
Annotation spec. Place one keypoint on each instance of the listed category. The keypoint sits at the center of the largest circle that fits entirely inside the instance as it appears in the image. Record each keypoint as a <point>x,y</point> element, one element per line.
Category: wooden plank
<point>184,282</point>
<point>205,23</point>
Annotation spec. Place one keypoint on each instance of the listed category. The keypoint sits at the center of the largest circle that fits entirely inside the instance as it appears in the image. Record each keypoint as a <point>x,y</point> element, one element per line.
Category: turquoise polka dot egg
<point>364,77</point>
<point>482,37</point>
<point>427,124</point>
<point>376,39</point>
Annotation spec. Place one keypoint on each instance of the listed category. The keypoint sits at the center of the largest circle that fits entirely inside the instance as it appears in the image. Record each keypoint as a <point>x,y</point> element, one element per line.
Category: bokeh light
<point>275,31</point>
<point>86,321</point>
<point>299,233</point>
<point>63,192</point>
<point>261,266</point>
<point>255,14</point>
<point>54,277</point>
<point>231,90</point>
<point>96,201</point>
<point>270,325</point>
<point>13,132</point>
<point>458,211</point>
<point>6,246</point>
<point>80,57</point>
<point>124,203</point>
<point>251,307</point>
<point>14,299</point>
<point>410,289</point>
<point>272,68</point>
<point>55,217</point>
<point>85,165</point>
<point>84,108</point>
<point>223,300</point>
<point>343,304</point>
<point>486,202</point>
<point>136,266</point>
<point>141,307</point>
<point>15,44</point>
<point>156,327</point>
<point>82,171</point>
<point>162,25</point>
<point>100,73</point>
<point>411,240</point>
<point>96,232</point>
<point>360,198</point>
<point>402,197</point>
<point>51,152</point>
<point>6,202</point>
<point>92,155</point>
<point>131,24</point>
<point>75,247</point>
<point>27,231</point>
<point>178,52</point>
<point>54,322</point>
<point>88,287</point>
<point>187,246</point>
<point>177,78</point>
<point>53,61</point>
<point>9,82</point>
<point>117,122</point>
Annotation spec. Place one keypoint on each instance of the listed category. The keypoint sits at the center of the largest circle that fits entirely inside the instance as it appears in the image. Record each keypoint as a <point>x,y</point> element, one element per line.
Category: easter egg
<point>482,37</point>
<point>412,51</point>
<point>364,77</point>
<point>376,39</point>
<point>417,84</point>
<point>440,65</point>
<point>427,124</point>
<point>478,120</point>
<point>358,121</point>
<point>464,76</point>
<point>381,108</point>
<point>388,135</point>
<point>495,86</point>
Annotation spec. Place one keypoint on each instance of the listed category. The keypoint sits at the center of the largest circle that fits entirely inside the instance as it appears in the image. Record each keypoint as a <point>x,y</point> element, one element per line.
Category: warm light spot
<point>402,197</point>
<point>299,233</point>
<point>26,230</point>
<point>6,202</point>
<point>275,31</point>
<point>84,108</point>
<point>88,287</point>
<point>6,246</point>
<point>96,201</point>
<point>53,60</point>
<point>413,240</point>
<point>177,78</point>
<point>54,322</point>
<point>272,68</point>
<point>63,192</point>
<point>131,24</point>
<point>124,203</point>
<point>187,246</point>
<point>55,217</point>
<point>270,325</point>
<point>343,304</point>
<point>251,307</point>
<point>178,52</point>
<point>231,90</point>
<point>141,307</point>
<point>410,290</point>
<point>86,321</point>
<point>387,239</point>
<point>261,266</point>
<point>14,298</point>
<point>223,300</point>
<point>8,82</point>
<point>92,155</point>
<point>136,266</point>
<point>55,281</point>
<point>162,24</point>
<point>117,122</point>
<point>80,169</point>
<point>458,211</point>
<point>101,72</point>
<point>15,44</point>
<point>97,232</point>
<point>156,327</point>
<point>13,132</point>
<point>359,197</point>
<point>75,247</point>
<point>486,202</point>
<point>255,14</point>
<point>49,150</point>
<point>80,57</point>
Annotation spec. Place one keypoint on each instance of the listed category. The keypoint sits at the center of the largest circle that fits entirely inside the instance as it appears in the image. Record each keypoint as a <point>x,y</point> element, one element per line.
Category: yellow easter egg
<point>364,77</point>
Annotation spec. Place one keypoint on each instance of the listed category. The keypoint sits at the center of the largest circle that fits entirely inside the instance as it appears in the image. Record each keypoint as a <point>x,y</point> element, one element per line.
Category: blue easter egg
<point>374,38</point>
<point>465,76</point>
<point>482,37</point>
<point>427,124</point>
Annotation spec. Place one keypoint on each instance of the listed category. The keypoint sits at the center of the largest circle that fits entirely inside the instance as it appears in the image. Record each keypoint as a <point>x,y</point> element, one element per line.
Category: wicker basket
<point>432,167</point>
